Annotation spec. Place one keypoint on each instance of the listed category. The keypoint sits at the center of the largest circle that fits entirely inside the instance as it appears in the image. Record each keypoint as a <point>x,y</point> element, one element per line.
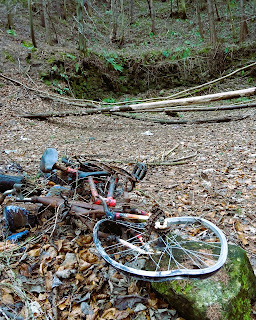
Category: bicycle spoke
<point>186,248</point>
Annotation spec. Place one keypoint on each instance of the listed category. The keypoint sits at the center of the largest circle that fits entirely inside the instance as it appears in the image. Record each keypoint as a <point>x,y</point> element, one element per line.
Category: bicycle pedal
<point>139,171</point>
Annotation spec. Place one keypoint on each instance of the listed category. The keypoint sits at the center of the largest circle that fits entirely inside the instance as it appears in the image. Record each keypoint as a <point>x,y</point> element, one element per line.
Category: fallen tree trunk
<point>149,105</point>
<point>91,103</point>
<point>167,121</point>
<point>221,108</point>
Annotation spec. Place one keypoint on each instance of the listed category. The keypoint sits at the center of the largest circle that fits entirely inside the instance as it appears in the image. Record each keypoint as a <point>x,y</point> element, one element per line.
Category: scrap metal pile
<point>72,187</point>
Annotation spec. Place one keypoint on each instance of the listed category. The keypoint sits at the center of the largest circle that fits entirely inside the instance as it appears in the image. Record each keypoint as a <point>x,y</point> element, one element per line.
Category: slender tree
<point>82,45</point>
<point>243,24</point>
<point>213,34</point>
<point>131,11</point>
<point>198,13</point>
<point>183,9</point>
<point>114,11</point>
<point>121,41</point>
<point>9,9</point>
<point>31,23</point>
<point>64,12</point>
<point>48,30</point>
<point>42,13</point>
<point>217,10</point>
<point>231,19</point>
<point>152,15</point>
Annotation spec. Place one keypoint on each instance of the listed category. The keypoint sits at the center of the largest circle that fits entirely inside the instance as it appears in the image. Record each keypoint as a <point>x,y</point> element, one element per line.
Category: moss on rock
<point>224,296</point>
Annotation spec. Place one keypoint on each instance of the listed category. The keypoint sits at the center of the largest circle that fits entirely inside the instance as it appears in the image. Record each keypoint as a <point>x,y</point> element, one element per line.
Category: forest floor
<point>217,183</point>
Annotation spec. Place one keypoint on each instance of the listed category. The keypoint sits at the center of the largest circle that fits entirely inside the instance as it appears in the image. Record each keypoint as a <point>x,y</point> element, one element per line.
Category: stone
<point>226,295</point>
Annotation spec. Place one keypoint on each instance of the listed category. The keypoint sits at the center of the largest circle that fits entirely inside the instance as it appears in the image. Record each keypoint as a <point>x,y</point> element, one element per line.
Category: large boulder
<point>227,295</point>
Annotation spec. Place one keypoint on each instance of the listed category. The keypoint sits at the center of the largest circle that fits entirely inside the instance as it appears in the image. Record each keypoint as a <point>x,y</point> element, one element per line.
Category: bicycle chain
<point>156,212</point>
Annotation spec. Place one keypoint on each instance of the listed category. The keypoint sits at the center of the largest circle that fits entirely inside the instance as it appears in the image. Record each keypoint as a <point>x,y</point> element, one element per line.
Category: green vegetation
<point>132,57</point>
<point>28,45</point>
<point>11,32</point>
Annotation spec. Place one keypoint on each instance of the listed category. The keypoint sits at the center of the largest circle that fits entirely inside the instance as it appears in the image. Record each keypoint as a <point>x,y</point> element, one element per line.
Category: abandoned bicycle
<point>146,245</point>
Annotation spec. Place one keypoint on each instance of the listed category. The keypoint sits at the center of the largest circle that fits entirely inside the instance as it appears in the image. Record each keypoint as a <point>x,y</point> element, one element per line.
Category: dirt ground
<point>217,182</point>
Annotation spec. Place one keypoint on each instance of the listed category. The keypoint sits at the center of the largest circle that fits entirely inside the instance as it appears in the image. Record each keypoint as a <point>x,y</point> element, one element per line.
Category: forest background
<point>107,50</point>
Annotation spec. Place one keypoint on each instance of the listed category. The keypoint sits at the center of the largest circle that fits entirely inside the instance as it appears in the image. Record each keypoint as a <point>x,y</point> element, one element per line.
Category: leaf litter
<point>56,272</point>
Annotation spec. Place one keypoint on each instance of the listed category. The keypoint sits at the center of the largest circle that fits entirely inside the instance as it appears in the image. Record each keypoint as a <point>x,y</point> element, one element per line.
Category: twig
<point>54,303</point>
<point>211,82</point>
<point>170,151</point>
<point>55,221</point>
<point>165,154</point>
<point>174,163</point>
<point>185,158</point>
<point>47,95</point>
<point>197,109</point>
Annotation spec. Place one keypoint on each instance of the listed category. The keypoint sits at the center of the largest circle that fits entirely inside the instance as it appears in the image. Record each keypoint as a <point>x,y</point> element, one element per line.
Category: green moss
<point>229,291</point>
<point>8,56</point>
<point>115,73</point>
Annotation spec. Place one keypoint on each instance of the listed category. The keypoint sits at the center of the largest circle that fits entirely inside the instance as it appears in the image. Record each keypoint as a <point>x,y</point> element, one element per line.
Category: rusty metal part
<point>112,169</point>
<point>156,213</point>
<point>16,190</point>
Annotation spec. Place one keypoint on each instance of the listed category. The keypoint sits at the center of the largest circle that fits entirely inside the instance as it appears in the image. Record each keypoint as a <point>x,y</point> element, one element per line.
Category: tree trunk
<point>198,13</point>
<point>48,31</point>
<point>183,9</point>
<point>131,11</point>
<point>217,11</point>
<point>58,8</point>
<point>121,41</point>
<point>9,9</point>
<point>152,15</point>
<point>148,106</point>
<point>42,13</point>
<point>243,24</point>
<point>80,24</point>
<point>113,34</point>
<point>213,35</point>
<point>64,12</point>
<point>231,19</point>
<point>31,24</point>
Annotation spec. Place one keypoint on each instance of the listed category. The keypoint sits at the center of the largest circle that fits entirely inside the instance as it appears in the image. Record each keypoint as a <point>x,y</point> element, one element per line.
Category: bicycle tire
<point>191,248</point>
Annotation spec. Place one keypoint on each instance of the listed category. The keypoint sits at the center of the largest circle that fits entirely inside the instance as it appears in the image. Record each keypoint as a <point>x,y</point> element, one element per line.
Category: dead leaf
<point>34,252</point>
<point>87,256</point>
<point>7,298</point>
<point>25,270</point>
<point>64,303</point>
<point>48,280</point>
<point>133,288</point>
<point>122,315</point>
<point>94,315</point>
<point>124,302</point>
<point>6,245</point>
<point>242,238</point>
<point>82,240</point>
<point>84,265</point>
<point>109,314</point>
<point>80,277</point>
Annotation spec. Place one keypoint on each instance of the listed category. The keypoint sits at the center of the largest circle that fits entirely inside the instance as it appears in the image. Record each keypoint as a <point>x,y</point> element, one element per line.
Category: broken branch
<point>149,105</point>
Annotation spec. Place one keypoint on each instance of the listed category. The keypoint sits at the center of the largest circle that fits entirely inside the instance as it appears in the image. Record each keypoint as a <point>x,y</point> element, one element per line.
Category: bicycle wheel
<point>187,247</point>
